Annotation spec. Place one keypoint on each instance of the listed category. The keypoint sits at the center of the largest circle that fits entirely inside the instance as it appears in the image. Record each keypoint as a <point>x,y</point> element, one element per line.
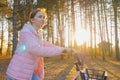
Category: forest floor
<point>57,69</point>
<point>64,69</point>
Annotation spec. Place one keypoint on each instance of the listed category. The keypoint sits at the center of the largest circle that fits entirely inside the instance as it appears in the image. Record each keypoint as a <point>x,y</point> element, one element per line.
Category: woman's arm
<point>32,45</point>
<point>47,43</point>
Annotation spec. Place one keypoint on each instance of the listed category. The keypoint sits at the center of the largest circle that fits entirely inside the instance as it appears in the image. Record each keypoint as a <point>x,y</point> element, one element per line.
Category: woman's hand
<point>67,50</point>
<point>74,51</point>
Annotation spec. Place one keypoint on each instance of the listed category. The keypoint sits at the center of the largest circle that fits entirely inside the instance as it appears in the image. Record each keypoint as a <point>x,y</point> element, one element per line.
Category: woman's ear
<point>32,20</point>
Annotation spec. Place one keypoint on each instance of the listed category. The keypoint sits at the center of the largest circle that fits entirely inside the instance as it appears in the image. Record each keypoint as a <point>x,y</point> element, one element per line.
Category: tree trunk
<point>2,40</point>
<point>116,29</point>
<point>94,21</point>
<point>73,23</point>
<point>99,23</point>
<point>9,41</point>
<point>14,26</point>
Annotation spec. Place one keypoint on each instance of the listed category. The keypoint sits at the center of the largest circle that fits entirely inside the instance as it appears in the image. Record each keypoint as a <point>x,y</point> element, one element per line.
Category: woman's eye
<point>42,17</point>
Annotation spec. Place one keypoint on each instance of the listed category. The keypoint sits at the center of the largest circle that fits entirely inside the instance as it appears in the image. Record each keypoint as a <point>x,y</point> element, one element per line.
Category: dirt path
<point>65,70</point>
<point>57,69</point>
<point>3,66</point>
<point>112,67</point>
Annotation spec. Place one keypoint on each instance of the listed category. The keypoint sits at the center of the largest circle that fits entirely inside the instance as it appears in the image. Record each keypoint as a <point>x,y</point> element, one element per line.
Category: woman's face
<point>38,19</point>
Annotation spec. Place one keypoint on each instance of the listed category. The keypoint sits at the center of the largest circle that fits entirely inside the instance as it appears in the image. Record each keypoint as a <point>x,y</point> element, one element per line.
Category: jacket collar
<point>32,29</point>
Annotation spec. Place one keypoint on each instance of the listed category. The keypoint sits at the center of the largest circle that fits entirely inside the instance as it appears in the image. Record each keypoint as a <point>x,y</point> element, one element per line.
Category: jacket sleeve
<point>32,46</point>
<point>47,43</point>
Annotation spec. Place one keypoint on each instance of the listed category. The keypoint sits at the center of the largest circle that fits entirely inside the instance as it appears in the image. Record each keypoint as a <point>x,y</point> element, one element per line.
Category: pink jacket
<point>30,47</point>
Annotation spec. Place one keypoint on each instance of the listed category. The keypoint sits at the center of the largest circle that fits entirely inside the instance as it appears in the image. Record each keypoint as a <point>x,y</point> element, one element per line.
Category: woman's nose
<point>43,19</point>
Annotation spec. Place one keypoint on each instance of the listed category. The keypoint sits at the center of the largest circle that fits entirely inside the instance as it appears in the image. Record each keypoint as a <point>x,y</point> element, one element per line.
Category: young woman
<point>27,62</point>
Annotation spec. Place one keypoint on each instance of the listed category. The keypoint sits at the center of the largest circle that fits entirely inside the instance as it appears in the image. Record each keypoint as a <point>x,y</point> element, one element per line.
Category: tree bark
<point>116,29</point>
<point>14,26</point>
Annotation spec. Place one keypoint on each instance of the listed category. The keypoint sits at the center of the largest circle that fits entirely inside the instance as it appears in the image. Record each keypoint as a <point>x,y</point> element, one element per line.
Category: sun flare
<point>82,36</point>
